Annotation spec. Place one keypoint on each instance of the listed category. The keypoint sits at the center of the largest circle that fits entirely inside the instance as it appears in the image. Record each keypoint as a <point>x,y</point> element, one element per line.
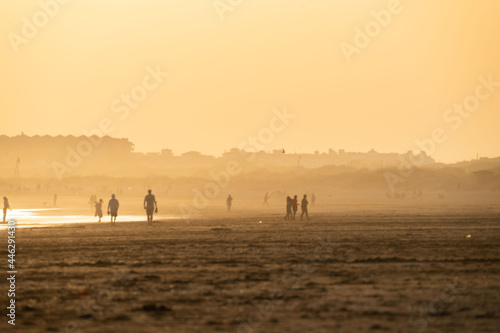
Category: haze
<point>227,76</point>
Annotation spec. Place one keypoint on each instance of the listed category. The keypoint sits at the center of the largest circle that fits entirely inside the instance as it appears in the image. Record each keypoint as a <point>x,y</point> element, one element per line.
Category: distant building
<point>167,153</point>
<point>95,155</point>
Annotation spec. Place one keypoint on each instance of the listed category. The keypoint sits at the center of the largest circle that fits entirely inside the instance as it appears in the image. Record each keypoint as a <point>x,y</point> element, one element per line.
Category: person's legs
<point>150,212</point>
<point>4,214</point>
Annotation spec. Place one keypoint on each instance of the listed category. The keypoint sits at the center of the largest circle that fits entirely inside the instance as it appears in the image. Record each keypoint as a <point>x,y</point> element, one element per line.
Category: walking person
<point>288,208</point>
<point>150,206</point>
<point>266,197</point>
<point>98,209</point>
<point>113,206</point>
<point>5,207</point>
<point>303,207</point>
<point>229,202</point>
<point>92,200</point>
<point>295,204</point>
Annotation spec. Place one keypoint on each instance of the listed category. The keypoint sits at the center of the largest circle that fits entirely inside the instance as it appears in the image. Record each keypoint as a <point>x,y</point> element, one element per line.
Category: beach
<point>154,155</point>
<point>380,269</point>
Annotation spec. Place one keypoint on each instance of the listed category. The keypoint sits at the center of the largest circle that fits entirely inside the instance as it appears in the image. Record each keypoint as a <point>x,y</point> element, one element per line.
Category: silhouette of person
<point>5,207</point>
<point>150,206</point>
<point>294,206</point>
<point>303,207</point>
<point>98,209</point>
<point>266,197</point>
<point>288,208</point>
<point>229,202</point>
<point>113,208</point>
<point>313,199</point>
<point>55,199</point>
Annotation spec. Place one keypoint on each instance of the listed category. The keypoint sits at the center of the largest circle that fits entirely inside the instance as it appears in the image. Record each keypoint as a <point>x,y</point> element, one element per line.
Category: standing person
<point>113,208</point>
<point>55,199</point>
<point>295,204</point>
<point>303,207</point>
<point>266,197</point>
<point>98,209</point>
<point>5,207</point>
<point>288,208</point>
<point>150,206</point>
<point>313,199</point>
<point>229,202</point>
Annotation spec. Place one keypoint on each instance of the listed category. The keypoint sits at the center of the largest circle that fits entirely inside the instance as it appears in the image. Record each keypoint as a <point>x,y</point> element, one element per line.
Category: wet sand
<point>358,271</point>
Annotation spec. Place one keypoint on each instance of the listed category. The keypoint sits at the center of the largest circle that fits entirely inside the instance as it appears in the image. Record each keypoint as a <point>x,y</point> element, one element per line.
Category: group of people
<point>113,206</point>
<point>292,207</point>
<point>150,205</point>
<point>92,200</point>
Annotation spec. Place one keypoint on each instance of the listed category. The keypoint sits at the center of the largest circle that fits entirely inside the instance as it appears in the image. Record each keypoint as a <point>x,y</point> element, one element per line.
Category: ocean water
<point>32,218</point>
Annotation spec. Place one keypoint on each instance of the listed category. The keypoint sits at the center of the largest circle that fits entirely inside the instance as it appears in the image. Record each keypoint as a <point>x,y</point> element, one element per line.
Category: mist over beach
<point>250,166</point>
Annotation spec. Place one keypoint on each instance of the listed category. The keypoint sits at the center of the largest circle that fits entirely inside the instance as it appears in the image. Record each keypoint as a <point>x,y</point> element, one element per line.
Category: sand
<point>375,270</point>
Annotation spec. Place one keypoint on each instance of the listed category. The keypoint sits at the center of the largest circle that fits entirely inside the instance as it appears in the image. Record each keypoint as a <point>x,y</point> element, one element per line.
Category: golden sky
<point>65,69</point>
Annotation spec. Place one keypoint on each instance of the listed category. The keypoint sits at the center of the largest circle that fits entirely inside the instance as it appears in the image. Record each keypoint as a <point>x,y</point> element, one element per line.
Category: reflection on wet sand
<point>29,218</point>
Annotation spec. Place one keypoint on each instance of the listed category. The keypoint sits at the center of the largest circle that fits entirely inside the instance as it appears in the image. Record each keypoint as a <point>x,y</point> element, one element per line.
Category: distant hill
<point>62,158</point>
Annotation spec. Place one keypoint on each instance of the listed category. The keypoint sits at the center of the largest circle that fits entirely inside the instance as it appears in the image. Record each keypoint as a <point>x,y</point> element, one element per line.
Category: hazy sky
<point>227,75</point>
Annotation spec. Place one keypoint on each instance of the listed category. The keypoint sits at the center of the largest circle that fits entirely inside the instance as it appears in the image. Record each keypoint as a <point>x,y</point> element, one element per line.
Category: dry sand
<point>348,271</point>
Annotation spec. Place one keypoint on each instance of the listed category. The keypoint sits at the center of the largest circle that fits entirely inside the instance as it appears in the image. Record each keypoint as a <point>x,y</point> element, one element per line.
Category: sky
<point>212,75</point>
